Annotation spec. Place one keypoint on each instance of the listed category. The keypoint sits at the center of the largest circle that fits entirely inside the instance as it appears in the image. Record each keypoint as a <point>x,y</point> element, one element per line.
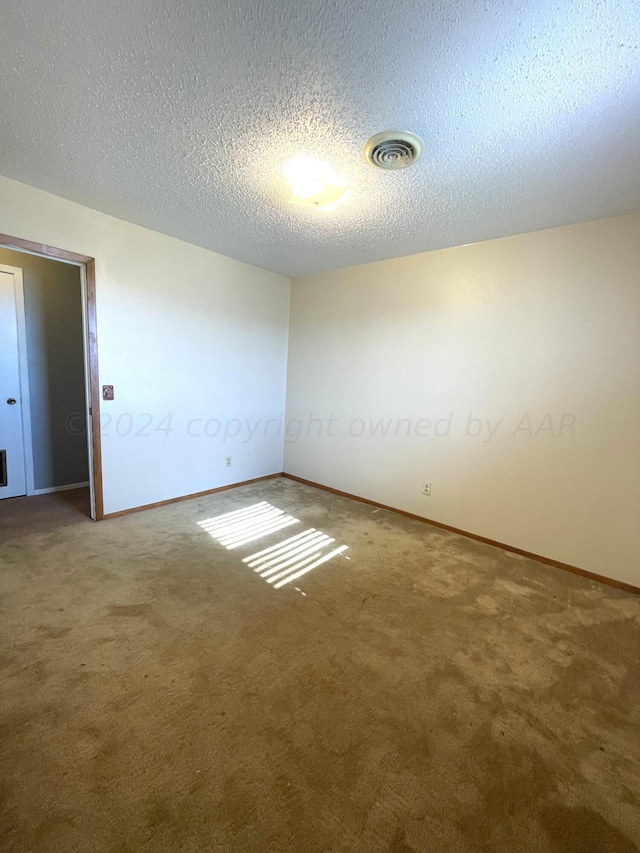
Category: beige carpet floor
<point>418,692</point>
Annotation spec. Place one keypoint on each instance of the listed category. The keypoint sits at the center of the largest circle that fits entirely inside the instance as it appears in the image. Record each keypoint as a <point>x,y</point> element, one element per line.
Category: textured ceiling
<point>180,115</point>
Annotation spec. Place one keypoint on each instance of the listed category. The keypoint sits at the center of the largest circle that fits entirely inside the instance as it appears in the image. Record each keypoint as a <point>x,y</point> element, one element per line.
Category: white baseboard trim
<point>61,488</point>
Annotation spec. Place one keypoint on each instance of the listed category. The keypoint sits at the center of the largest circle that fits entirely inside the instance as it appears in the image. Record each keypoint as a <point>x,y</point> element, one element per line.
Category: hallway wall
<point>53,317</point>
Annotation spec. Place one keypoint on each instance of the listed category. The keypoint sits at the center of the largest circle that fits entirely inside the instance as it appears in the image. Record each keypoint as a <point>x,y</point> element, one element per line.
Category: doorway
<point>49,411</point>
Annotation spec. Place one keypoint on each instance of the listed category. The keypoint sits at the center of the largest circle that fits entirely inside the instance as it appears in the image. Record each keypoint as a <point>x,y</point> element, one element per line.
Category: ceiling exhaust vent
<point>393,149</point>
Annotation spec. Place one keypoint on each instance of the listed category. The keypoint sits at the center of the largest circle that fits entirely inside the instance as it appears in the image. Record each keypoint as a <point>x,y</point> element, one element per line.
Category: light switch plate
<point>107,392</point>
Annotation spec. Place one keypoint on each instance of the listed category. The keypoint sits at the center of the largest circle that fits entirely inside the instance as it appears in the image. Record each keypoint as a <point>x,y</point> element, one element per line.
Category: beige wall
<point>186,336</point>
<point>539,329</point>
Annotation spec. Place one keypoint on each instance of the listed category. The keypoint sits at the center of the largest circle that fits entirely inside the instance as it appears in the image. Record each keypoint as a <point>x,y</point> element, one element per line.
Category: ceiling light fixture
<point>393,149</point>
<point>314,185</point>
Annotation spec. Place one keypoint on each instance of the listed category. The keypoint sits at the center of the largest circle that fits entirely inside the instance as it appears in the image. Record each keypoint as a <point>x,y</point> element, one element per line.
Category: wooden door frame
<point>89,264</point>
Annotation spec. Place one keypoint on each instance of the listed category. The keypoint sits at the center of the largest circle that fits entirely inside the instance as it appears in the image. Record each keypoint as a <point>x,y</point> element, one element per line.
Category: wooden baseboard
<point>122,512</point>
<point>627,587</point>
<point>67,488</point>
<point>540,559</point>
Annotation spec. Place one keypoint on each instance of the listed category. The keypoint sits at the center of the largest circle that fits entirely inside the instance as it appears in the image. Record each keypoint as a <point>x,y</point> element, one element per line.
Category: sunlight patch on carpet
<point>234,529</point>
<point>294,557</point>
<point>281,563</point>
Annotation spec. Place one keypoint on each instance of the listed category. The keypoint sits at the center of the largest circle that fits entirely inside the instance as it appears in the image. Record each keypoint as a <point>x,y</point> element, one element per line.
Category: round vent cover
<point>393,149</point>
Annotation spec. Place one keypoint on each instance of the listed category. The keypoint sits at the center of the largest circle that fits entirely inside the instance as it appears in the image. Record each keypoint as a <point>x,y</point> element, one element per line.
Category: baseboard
<point>191,497</point>
<point>67,488</point>
<point>627,587</point>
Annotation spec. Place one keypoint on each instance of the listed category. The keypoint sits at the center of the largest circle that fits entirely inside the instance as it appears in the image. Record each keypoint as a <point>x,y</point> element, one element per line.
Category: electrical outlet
<point>227,462</point>
<point>426,489</point>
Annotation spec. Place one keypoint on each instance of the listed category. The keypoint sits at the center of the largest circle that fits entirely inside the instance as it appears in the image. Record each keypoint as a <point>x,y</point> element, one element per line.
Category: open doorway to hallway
<point>44,445</point>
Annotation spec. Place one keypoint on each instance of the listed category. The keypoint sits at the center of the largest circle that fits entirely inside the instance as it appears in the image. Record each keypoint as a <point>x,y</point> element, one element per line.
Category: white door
<point>13,479</point>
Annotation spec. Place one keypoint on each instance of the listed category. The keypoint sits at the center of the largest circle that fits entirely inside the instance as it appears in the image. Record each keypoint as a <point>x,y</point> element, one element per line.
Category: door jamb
<point>91,347</point>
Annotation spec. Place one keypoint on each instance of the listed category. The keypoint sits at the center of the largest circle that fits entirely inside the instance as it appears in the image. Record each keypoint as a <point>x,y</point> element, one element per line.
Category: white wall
<point>182,331</point>
<point>539,324</point>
